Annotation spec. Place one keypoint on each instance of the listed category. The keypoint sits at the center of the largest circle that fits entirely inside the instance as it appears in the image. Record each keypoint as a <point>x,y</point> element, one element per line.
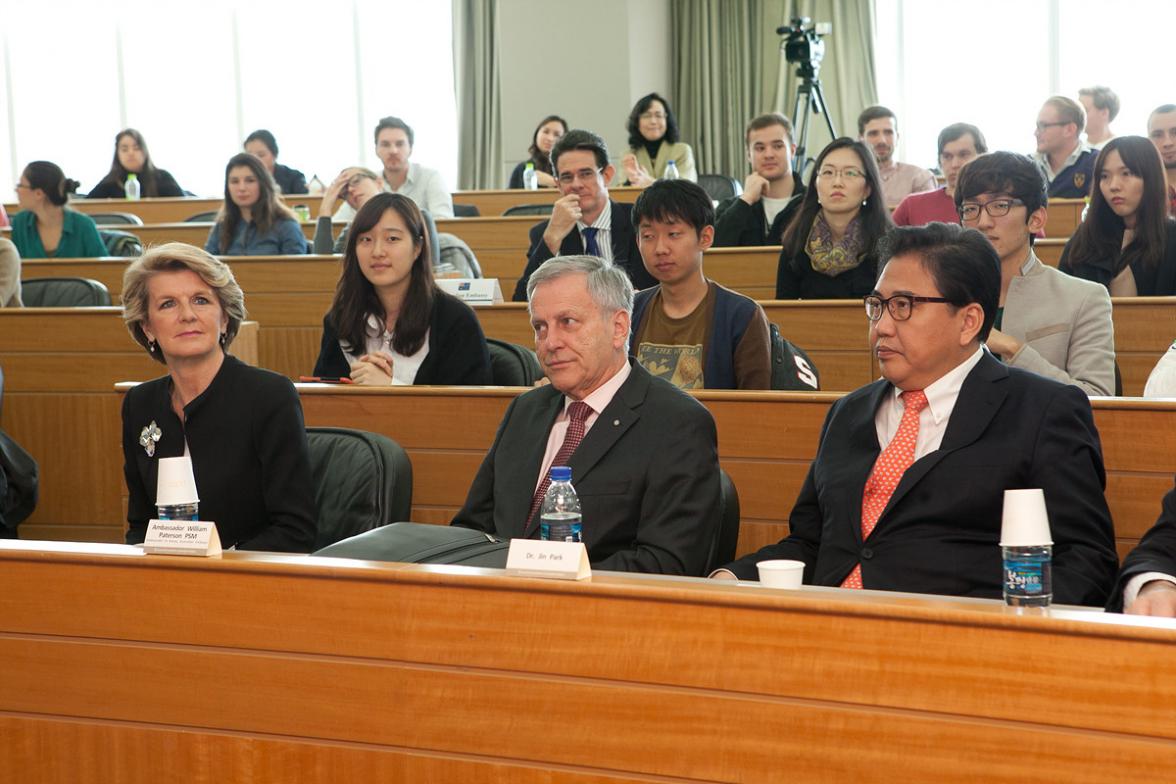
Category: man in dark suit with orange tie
<point>584,219</point>
<point>643,453</point>
<point>906,490</point>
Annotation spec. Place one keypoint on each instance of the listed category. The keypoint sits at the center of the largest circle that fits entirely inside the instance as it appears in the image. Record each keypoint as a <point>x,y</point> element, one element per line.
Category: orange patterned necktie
<point>895,459</point>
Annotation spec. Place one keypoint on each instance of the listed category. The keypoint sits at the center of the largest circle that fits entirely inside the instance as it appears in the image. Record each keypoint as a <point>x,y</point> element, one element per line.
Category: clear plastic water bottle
<point>559,517</point>
<point>530,177</point>
<point>671,171</point>
<point>132,187</point>
<point>1028,575</point>
<point>189,511</point>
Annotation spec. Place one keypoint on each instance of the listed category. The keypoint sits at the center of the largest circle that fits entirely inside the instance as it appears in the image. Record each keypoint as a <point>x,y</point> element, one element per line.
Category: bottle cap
<point>561,474</point>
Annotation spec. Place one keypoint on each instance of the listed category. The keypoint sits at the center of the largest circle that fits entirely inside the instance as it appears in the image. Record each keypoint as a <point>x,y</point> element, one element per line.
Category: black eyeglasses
<point>997,208</point>
<point>900,305</point>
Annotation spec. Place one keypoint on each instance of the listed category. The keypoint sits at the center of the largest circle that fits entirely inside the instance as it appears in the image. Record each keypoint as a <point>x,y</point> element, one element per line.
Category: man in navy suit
<point>1147,583</point>
<point>646,469</point>
<point>985,428</point>
<point>585,219</point>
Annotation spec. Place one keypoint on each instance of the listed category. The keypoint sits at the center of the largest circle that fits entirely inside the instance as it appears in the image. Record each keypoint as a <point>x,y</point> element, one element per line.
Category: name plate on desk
<point>473,291</point>
<point>555,560</point>
<point>182,537</point>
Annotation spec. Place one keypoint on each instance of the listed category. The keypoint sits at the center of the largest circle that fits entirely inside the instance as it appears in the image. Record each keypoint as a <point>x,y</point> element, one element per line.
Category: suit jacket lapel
<point>979,399</point>
<point>618,416</point>
<point>537,428</point>
<point>853,459</point>
<point>621,228</point>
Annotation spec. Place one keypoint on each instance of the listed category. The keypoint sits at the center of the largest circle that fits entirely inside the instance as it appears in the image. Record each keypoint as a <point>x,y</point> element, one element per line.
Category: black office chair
<point>466,211</point>
<point>727,536</point>
<point>720,186</point>
<point>64,293</point>
<point>528,209</point>
<point>116,219</point>
<point>361,481</point>
<point>792,370</point>
<point>202,217</point>
<point>121,243</point>
<point>512,365</point>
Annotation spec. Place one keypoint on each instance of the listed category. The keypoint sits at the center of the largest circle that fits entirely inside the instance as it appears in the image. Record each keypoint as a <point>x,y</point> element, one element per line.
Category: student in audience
<point>394,141</point>
<point>389,323</point>
<point>829,248</point>
<point>653,143</point>
<point>9,275</point>
<point>45,227</point>
<point>1064,158</point>
<point>1046,321</point>
<point>958,144</point>
<point>689,330</point>
<point>253,220</point>
<point>1101,106</point>
<point>1162,380</point>
<point>642,453</point>
<point>263,144</point>
<point>584,219</point>
<point>131,157</point>
<point>771,193</point>
<point>354,186</point>
<point>1161,129</point>
<point>906,490</point>
<point>546,134</point>
<point>242,426</point>
<point>1127,241</point>
<point>1147,581</point>
<point>878,128</point>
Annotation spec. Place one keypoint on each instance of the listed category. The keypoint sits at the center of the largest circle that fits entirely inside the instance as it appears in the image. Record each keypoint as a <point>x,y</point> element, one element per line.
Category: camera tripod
<point>810,99</point>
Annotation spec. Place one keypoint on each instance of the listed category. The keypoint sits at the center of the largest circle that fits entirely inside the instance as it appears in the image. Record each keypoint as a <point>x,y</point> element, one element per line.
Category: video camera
<point>803,46</point>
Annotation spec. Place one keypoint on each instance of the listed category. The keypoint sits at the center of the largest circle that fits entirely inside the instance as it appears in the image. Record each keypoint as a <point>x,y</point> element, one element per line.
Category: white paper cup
<point>781,574</point>
<point>1024,522</point>
<point>176,484</point>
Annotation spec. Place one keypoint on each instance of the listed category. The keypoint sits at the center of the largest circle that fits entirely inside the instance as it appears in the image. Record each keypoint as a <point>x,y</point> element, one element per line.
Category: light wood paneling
<point>444,673</point>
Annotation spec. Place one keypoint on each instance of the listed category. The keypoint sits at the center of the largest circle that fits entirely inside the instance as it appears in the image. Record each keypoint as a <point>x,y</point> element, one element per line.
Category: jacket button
<point>867,553</point>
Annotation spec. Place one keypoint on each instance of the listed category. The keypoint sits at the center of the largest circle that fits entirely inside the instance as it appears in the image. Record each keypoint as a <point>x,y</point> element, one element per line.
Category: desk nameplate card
<point>182,537</point>
<point>554,560</point>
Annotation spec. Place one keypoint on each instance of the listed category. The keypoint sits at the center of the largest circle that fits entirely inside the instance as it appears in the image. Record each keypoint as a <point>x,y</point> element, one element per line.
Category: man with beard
<point>878,129</point>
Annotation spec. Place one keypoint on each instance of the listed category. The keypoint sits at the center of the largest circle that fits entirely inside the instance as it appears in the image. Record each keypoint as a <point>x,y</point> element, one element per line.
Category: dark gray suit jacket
<point>1156,551</point>
<point>624,248</point>
<point>940,532</point>
<point>647,475</point>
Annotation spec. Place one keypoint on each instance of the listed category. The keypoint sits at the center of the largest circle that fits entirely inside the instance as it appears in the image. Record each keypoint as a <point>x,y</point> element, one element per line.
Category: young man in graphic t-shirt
<point>689,330</point>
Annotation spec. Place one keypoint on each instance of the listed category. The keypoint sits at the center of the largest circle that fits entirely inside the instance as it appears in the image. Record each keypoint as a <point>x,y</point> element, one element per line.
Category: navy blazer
<point>940,531</point>
<point>624,248</point>
<point>647,475</point>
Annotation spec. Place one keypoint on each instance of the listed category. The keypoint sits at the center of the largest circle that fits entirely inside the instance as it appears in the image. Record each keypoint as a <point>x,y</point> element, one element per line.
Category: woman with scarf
<point>829,247</point>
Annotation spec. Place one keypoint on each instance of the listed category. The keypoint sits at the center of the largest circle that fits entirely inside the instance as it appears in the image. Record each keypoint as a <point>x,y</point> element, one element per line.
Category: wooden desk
<point>496,202</point>
<point>327,670</point>
<point>1063,216</point>
<point>168,209</point>
<point>766,442</point>
<point>60,367</point>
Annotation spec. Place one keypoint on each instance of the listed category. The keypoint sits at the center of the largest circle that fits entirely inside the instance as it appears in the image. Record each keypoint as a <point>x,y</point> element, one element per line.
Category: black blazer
<point>1156,552</point>
<point>810,284</point>
<point>624,248</point>
<point>1158,281</point>
<point>647,474</point>
<point>457,356</point>
<point>247,440</point>
<point>940,531</point>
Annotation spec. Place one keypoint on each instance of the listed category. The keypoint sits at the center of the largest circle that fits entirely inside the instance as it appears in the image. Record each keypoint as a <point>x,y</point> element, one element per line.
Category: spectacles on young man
<point>997,208</point>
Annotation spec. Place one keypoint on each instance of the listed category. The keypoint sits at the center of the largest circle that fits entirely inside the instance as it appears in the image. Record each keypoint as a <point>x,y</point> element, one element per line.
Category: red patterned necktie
<point>895,459</point>
<point>577,415</point>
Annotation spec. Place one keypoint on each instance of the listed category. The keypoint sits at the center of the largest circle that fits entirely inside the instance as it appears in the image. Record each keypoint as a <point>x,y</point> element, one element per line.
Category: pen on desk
<point>324,380</point>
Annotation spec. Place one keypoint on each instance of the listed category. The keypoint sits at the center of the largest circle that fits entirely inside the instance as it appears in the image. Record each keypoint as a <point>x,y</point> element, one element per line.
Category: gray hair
<point>608,285</point>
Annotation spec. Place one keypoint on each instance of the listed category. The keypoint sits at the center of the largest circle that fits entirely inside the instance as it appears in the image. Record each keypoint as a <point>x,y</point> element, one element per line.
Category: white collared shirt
<point>1042,160</point>
<point>941,399</point>
<point>603,226</point>
<point>597,401</point>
